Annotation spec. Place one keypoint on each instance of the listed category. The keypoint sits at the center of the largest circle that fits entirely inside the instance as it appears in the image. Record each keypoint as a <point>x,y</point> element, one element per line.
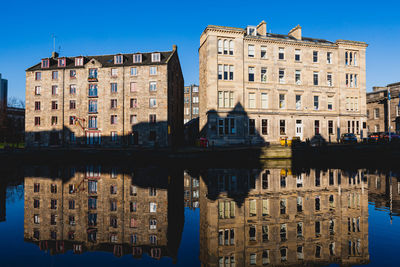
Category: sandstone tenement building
<point>109,100</point>
<point>97,210</point>
<point>273,217</point>
<point>191,102</point>
<point>258,86</point>
<point>378,112</point>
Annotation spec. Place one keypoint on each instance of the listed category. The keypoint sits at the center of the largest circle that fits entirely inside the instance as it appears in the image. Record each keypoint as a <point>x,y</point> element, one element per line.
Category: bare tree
<point>15,102</point>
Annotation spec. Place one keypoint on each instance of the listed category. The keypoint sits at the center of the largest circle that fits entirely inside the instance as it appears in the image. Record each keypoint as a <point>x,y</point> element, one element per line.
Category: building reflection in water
<point>94,209</point>
<point>259,217</point>
<point>191,190</point>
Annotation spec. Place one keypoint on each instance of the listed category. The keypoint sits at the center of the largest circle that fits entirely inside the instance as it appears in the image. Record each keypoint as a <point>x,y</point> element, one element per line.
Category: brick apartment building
<point>107,100</point>
<point>258,86</point>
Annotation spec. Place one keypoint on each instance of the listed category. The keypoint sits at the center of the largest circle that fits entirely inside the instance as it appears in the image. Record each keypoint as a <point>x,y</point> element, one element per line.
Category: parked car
<point>317,140</point>
<point>393,136</point>
<point>374,137</point>
<point>348,138</point>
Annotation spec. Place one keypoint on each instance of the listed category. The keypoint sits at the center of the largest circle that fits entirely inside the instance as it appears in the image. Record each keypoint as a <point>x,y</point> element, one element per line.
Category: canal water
<point>110,215</point>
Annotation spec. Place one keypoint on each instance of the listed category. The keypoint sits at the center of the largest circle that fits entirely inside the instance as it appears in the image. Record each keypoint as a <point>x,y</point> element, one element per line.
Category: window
<point>153,70</point>
<point>298,102</point>
<point>36,219</point>
<point>330,127</point>
<point>114,72</point>
<point>251,50</point>
<point>72,89</point>
<point>329,79</point>
<point>36,203</point>
<point>282,102</point>
<point>283,232</point>
<point>263,52</point>
<point>265,205</point>
<point>225,99</point>
<point>376,113</point>
<point>114,88</point>
<point>153,86</point>
<point>316,102</point>
<point>92,106</point>
<point>155,57</point>
<point>281,76</point>
<point>113,103</point>
<point>231,70</point>
<point>220,46</point>
<point>92,187</point>
<point>231,47</point>
<point>53,120</point>
<point>282,202</point>
<point>315,78</point>
<point>152,118</point>
<point>226,126</point>
<point>220,71</point>
<point>265,257</point>
<point>92,90</point>
<point>299,204</point>
<point>113,119</point>
<point>317,228</point>
<point>53,204</point>
<point>37,90</point>
<point>45,63</point>
<point>264,100</point>
<point>297,55</point>
<point>54,90</point>
<point>36,187</point>
<point>79,61</point>
<point>152,103</point>
<point>153,207</point>
<point>253,259</point>
<point>330,102</point>
<point>252,100</point>
<point>252,233</point>
<point>263,75</point>
<point>71,204</point>
<point>281,54</point>
<point>282,127</point>
<point>37,105</point>
<point>329,57</point>
<point>195,111</point>
<point>251,74</point>
<point>137,58</point>
<point>118,59</point>
<point>315,56</point>
<point>54,105</point>
<point>226,209</point>
<point>133,103</point>
<point>153,224</point>
<point>133,119</point>
<point>316,126</point>
<point>113,189</point>
<point>299,229</point>
<point>226,47</point>
<point>37,121</point>
<point>252,126</point>
<point>72,104</point>
<point>298,77</point>
<point>264,126</point>
<point>195,99</point>
<point>54,75</point>
<point>72,74</point>
<point>38,76</point>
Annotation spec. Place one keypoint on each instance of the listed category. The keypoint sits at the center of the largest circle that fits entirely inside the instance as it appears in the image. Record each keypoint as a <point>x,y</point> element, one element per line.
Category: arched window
<point>231,46</point>
<point>226,47</point>
<point>219,46</point>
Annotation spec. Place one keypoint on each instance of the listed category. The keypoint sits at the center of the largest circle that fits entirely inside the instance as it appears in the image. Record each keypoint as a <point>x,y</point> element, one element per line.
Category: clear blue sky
<point>108,27</point>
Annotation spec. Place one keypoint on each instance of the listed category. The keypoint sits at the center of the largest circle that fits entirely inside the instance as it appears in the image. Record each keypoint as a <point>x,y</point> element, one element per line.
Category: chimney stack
<point>54,55</point>
<point>295,32</point>
<point>262,28</point>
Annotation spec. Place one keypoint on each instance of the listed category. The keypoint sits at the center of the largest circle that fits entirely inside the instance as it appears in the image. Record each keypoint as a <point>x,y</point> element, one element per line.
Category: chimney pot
<point>54,55</point>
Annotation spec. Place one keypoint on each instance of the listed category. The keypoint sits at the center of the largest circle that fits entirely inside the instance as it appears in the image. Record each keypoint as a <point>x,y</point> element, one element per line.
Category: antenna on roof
<point>54,42</point>
<point>59,49</point>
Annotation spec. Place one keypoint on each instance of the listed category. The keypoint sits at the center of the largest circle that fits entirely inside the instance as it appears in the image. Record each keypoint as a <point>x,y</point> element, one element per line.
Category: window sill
<point>93,96</point>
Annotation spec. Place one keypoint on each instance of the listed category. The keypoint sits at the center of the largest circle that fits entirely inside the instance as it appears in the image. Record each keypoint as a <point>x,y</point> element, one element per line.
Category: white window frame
<point>155,57</point>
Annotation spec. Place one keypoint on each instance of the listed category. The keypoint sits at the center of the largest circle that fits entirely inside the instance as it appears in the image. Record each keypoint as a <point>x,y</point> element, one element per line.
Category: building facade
<point>258,86</point>
<point>378,109</point>
<point>3,92</point>
<point>273,217</point>
<point>109,100</point>
<point>105,210</point>
<point>191,103</point>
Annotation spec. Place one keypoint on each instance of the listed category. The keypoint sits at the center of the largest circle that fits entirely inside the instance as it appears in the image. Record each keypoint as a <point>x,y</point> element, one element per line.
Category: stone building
<point>105,210</point>
<point>378,112</point>
<point>271,216</point>
<point>258,86</point>
<point>191,103</point>
<point>108,100</point>
<point>191,190</point>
